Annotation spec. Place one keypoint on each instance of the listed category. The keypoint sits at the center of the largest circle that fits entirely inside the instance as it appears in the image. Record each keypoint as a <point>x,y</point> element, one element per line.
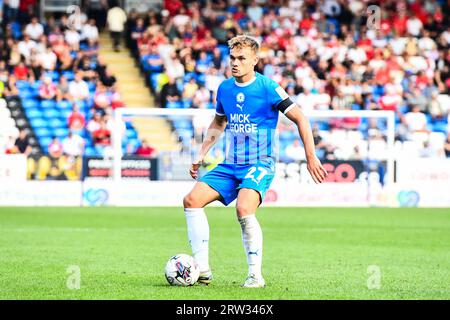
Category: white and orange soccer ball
<point>182,270</point>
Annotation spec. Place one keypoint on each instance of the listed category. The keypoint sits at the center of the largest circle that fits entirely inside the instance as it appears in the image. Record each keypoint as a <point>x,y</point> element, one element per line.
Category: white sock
<point>198,234</point>
<point>252,239</point>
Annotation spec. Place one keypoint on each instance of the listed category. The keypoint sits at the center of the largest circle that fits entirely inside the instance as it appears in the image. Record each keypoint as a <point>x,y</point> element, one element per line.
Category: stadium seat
<point>21,84</point>
<point>90,152</point>
<point>56,123</point>
<point>70,75</point>
<point>131,133</point>
<point>30,103</point>
<point>173,105</point>
<point>27,94</point>
<point>51,113</point>
<point>65,113</point>
<point>42,132</point>
<point>61,132</point>
<point>182,124</point>
<point>33,113</point>
<point>44,142</point>
<point>64,104</point>
<point>47,104</point>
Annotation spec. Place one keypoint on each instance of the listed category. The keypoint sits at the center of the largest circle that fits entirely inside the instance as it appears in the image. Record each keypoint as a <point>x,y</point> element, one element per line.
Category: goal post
<point>122,114</point>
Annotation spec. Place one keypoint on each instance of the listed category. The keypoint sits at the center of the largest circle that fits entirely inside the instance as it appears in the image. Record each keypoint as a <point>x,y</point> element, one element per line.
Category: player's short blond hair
<point>243,41</point>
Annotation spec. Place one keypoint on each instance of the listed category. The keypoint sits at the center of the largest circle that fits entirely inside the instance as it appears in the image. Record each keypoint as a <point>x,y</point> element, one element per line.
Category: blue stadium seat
<point>154,80</point>
<point>440,126</point>
<point>131,134</point>
<point>54,75</point>
<point>43,132</point>
<point>51,113</point>
<point>48,104</point>
<point>64,104</point>
<point>38,123</point>
<point>201,79</point>
<point>81,104</point>
<point>22,84</point>
<point>36,85</point>
<point>56,123</point>
<point>61,132</point>
<point>90,152</point>
<point>44,142</point>
<point>173,105</point>
<point>182,124</point>
<point>33,113</point>
<point>64,114</point>
<point>30,103</point>
<point>16,29</point>
<point>91,86</point>
<point>27,94</point>
<point>187,104</point>
<point>70,75</point>
<point>188,76</point>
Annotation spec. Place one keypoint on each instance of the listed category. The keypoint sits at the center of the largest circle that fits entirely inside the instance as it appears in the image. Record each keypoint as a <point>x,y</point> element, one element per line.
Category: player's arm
<point>295,114</point>
<point>213,134</point>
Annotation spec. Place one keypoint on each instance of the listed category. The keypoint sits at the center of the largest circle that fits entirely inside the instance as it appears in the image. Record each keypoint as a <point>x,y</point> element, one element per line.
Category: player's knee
<point>244,210</point>
<point>189,201</point>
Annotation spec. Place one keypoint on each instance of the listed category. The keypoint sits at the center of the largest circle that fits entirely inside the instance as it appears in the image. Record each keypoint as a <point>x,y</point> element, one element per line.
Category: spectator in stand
<point>418,100</point>
<point>55,148</point>
<point>107,78</point>
<point>447,146</point>
<point>90,31</point>
<point>73,145</point>
<point>202,97</point>
<point>25,46</point>
<point>12,10</point>
<point>116,20</point>
<point>78,88</point>
<point>73,39</point>
<point>154,60</point>
<point>94,124</point>
<point>47,90</point>
<point>145,150</point>
<point>63,90</point>
<point>102,98</point>
<point>415,120</point>
<point>175,69</point>
<point>22,144</point>
<point>435,107</point>
<point>34,29</point>
<point>170,93</point>
<point>295,151</point>
<point>21,71</point>
<point>102,139</point>
<point>190,89</point>
<point>76,120</point>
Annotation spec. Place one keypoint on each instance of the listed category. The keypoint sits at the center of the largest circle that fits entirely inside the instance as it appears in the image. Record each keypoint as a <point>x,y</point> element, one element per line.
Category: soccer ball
<point>182,270</point>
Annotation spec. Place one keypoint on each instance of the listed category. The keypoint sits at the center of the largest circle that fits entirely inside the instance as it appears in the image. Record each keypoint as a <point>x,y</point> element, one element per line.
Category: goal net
<point>355,147</point>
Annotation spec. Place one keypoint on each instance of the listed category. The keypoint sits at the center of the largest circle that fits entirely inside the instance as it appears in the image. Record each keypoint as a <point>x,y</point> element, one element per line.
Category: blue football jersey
<point>252,112</point>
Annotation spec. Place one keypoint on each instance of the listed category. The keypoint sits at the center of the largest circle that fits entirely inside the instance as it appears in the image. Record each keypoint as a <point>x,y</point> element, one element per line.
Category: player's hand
<point>194,168</point>
<point>318,173</point>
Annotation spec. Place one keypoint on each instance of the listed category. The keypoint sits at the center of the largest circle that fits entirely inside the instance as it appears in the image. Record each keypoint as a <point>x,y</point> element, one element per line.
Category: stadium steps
<point>131,86</point>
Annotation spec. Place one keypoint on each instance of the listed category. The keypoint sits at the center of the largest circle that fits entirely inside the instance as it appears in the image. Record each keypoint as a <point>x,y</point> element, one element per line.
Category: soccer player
<point>247,110</point>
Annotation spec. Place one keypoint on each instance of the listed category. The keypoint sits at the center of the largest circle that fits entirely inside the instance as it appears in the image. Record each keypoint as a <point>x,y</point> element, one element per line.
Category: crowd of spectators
<point>328,55</point>
<point>53,68</point>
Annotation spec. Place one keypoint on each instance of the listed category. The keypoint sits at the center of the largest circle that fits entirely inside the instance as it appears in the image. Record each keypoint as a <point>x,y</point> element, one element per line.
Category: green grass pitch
<point>309,253</point>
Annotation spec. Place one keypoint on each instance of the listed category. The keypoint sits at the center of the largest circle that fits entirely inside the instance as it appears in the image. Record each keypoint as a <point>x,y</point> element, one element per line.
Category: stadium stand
<point>52,83</point>
<point>326,54</point>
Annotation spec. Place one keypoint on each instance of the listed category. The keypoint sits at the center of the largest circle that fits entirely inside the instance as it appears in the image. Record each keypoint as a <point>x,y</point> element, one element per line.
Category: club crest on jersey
<point>240,98</point>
